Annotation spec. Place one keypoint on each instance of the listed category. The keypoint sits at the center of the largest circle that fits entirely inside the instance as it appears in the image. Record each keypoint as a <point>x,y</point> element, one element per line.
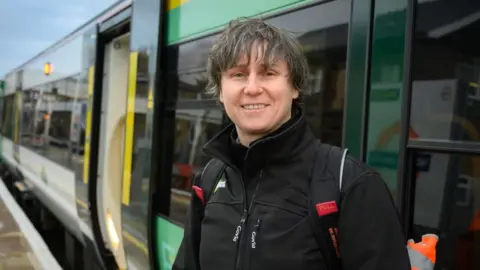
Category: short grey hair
<point>237,40</point>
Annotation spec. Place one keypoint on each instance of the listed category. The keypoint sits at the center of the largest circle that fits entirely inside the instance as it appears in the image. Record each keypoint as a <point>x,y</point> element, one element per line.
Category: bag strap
<point>211,174</point>
<point>326,185</point>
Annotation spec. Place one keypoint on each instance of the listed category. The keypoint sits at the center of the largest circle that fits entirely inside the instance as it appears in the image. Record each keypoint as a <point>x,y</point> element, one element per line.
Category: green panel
<point>386,88</point>
<point>198,16</point>
<point>357,64</point>
<point>168,239</point>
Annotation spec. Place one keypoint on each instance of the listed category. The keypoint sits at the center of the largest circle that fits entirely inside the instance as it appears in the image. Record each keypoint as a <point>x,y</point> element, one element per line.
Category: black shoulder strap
<point>326,184</point>
<point>210,176</point>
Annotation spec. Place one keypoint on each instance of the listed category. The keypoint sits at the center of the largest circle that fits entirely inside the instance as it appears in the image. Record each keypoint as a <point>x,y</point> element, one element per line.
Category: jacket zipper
<point>254,234</point>
<point>238,237</point>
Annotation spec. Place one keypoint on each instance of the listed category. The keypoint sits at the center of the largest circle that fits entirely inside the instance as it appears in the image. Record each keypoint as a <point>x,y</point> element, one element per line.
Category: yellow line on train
<point>172,4</point>
<point>88,125</point>
<point>130,122</point>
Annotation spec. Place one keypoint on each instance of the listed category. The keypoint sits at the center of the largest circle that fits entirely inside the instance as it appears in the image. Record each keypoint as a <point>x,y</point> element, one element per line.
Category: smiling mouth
<point>254,106</point>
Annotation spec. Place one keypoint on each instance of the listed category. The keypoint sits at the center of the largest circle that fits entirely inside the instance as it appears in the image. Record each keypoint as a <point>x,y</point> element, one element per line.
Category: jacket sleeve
<point>188,255</point>
<point>370,232</point>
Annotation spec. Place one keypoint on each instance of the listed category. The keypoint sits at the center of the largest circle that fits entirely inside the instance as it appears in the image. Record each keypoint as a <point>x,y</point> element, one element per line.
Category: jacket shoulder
<point>354,170</point>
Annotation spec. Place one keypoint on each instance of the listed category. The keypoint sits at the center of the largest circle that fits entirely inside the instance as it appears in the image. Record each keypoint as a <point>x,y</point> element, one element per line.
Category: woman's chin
<point>255,129</point>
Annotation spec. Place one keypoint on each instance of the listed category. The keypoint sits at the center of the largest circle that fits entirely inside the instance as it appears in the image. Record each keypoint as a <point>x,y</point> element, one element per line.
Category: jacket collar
<point>281,146</point>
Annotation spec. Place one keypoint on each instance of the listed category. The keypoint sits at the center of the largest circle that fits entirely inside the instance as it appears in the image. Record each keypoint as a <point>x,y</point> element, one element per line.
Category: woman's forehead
<point>259,55</point>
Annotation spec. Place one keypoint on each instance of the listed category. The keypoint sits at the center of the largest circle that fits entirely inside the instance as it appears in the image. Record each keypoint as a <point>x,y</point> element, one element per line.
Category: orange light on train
<point>46,116</point>
<point>47,68</point>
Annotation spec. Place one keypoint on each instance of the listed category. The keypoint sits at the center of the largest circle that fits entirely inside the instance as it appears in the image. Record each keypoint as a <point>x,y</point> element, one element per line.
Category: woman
<point>256,215</point>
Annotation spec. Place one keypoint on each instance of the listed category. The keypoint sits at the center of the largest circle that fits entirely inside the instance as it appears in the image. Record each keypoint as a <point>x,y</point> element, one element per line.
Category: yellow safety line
<point>129,237</point>
<point>82,203</point>
<point>132,239</point>
<point>88,126</point>
<point>130,122</point>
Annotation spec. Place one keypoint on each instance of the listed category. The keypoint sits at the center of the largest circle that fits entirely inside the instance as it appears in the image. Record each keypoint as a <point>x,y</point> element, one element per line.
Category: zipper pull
<point>239,229</point>
<point>254,233</point>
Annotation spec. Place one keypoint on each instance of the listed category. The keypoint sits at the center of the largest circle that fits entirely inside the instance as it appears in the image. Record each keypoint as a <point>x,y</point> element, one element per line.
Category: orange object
<point>423,254</point>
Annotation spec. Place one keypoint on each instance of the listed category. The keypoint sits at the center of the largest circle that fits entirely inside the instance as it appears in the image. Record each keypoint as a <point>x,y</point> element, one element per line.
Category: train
<point>102,132</point>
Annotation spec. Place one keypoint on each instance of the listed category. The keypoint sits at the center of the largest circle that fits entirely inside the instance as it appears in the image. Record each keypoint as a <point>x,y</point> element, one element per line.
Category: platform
<point>21,246</point>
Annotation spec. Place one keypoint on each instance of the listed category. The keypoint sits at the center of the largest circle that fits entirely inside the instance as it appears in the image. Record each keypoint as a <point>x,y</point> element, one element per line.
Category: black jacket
<point>267,191</point>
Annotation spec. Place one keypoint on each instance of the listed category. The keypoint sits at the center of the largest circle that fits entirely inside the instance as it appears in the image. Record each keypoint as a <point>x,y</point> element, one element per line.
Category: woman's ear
<point>220,97</point>
<point>295,94</point>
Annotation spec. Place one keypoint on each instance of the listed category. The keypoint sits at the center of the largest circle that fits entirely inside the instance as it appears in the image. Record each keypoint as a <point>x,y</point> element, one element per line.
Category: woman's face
<point>257,98</point>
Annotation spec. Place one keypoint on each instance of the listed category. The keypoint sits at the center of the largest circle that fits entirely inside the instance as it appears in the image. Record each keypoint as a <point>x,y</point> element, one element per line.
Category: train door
<point>110,114</point>
<point>110,150</point>
<point>98,125</point>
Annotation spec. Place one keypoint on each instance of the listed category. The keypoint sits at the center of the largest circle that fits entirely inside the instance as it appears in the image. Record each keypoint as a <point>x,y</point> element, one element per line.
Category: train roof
<point>101,17</point>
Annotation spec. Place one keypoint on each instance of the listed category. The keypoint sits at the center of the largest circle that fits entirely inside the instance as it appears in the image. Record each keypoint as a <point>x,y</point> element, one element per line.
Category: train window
<point>45,125</point>
<point>446,71</point>
<point>193,129</point>
<point>29,100</point>
<point>447,203</point>
<point>323,34</point>
<point>8,114</point>
<point>1,108</point>
<point>191,72</point>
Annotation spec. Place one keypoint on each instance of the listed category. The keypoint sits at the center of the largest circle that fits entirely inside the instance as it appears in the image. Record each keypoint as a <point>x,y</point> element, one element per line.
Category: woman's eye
<point>270,73</point>
<point>238,74</point>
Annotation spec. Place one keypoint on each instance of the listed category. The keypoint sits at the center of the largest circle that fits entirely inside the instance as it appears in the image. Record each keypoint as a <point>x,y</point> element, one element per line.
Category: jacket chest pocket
<point>281,238</point>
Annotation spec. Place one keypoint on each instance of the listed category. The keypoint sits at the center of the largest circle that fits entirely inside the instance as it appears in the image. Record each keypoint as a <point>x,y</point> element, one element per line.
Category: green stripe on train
<point>198,16</point>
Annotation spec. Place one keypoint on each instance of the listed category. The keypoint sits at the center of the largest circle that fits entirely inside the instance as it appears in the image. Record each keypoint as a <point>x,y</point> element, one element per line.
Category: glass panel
<point>323,33</point>
<point>191,72</point>
<point>447,203</point>
<point>46,120</point>
<point>138,137</point>
<point>81,123</point>
<point>7,123</point>
<point>386,81</point>
<point>446,71</point>
<point>193,129</point>
<point>2,106</point>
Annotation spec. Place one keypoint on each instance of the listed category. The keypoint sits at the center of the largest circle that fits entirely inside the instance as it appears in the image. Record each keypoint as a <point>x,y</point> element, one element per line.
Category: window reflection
<point>7,116</point>
<point>447,202</point>
<point>46,125</point>
<point>191,72</point>
<point>193,129</point>
<point>135,216</point>
<point>446,71</point>
<point>1,109</point>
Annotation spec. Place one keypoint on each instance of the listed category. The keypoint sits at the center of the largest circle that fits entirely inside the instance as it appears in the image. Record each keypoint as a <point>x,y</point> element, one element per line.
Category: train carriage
<point>102,132</point>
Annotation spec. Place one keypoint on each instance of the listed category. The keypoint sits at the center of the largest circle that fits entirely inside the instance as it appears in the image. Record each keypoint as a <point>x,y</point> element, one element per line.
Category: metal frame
<point>366,84</point>
<point>366,98</point>
<point>160,163</point>
<point>444,146</point>
<point>114,21</point>
<point>405,167</point>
